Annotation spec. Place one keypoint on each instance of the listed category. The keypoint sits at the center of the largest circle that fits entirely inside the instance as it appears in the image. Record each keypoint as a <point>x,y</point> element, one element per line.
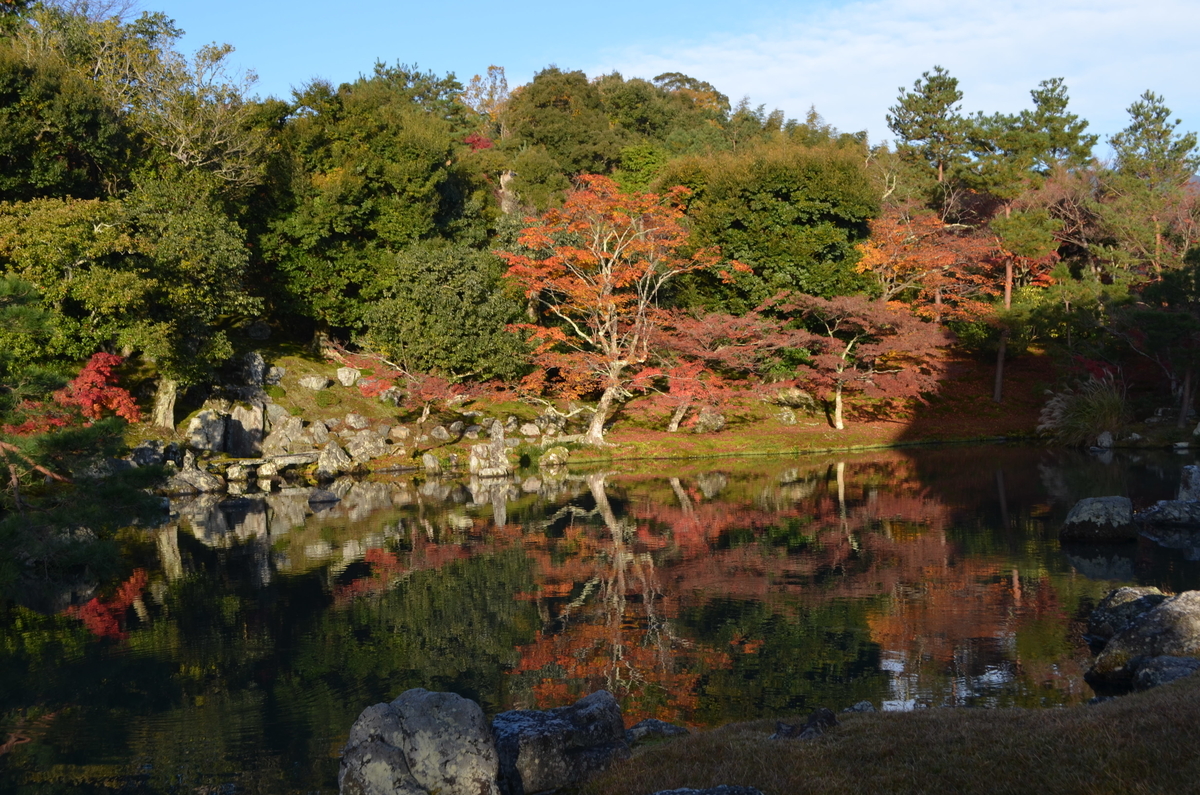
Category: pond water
<point>251,633</point>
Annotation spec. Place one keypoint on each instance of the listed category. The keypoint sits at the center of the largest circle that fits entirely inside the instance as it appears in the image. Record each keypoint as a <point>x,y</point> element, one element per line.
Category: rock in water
<point>422,743</point>
<point>1121,607</point>
<point>1172,628</point>
<point>1100,519</point>
<point>559,747</point>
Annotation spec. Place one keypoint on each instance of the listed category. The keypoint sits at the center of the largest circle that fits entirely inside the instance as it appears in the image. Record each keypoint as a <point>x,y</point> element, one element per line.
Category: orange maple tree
<point>599,264</point>
<point>945,269</point>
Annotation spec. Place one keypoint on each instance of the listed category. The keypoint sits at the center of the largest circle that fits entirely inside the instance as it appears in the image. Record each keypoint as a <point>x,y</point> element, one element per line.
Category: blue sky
<point>846,58</point>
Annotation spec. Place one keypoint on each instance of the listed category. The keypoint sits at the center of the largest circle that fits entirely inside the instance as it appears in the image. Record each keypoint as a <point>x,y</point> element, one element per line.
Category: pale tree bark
<point>677,417</point>
<point>164,404</point>
<point>838,424</point>
<point>595,431</point>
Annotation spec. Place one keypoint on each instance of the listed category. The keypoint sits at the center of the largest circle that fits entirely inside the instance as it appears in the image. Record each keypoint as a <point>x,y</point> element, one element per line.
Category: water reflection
<point>252,631</point>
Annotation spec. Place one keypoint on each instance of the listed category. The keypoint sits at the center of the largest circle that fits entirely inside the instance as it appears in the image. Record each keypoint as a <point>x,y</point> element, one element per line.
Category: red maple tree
<point>599,265</point>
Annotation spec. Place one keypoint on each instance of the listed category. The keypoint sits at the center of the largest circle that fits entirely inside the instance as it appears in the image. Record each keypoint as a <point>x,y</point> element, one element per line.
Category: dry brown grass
<point>1143,743</point>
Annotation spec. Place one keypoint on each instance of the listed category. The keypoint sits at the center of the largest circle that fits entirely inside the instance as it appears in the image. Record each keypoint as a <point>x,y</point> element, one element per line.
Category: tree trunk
<point>837,408</point>
<point>164,404</point>
<point>595,431</point>
<point>677,417</point>
<point>998,388</point>
<point>1186,402</point>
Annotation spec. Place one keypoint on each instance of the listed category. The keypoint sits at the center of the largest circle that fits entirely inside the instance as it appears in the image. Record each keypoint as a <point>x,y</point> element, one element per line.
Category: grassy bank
<point>1142,743</point>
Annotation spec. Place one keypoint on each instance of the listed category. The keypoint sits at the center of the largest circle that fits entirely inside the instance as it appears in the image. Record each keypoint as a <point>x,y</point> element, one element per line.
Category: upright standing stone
<point>244,434</point>
<point>206,431</point>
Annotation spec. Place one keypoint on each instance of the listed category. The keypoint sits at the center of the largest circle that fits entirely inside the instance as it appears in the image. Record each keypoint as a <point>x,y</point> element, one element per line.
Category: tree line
<point>150,206</point>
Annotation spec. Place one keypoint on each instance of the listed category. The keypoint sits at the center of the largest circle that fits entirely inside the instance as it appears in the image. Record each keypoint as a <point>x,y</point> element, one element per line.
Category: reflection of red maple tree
<point>106,618</point>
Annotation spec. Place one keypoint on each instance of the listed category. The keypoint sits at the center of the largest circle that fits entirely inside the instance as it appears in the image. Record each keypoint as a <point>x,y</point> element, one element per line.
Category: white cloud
<point>849,61</point>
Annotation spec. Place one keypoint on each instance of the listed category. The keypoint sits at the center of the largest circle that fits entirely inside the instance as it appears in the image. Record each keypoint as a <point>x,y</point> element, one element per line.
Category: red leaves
<point>601,261</point>
<point>91,393</point>
<point>477,142</point>
<point>94,390</point>
<point>105,618</point>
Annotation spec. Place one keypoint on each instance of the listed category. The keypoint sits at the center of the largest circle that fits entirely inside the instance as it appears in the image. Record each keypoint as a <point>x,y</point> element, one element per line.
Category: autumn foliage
<point>596,270</point>
<point>92,393</point>
<point>105,618</point>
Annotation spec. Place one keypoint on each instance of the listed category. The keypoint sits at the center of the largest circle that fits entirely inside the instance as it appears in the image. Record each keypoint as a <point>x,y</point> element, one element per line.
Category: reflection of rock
<point>420,744</point>
<point>167,540</point>
<point>559,747</point>
<point>711,483</point>
<point>1171,514</point>
<point>1100,562</point>
<point>1189,483</point>
<point>286,511</point>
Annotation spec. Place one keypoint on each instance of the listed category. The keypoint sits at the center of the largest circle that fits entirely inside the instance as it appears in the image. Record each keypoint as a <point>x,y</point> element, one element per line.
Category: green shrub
<point>276,392</point>
<point>326,398</point>
<point>1077,416</point>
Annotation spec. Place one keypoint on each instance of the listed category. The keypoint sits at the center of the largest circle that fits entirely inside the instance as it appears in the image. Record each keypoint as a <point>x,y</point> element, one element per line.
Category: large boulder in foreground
<point>1121,608</point>
<point>559,747</point>
<point>1172,628</point>
<point>1100,519</point>
<point>422,743</point>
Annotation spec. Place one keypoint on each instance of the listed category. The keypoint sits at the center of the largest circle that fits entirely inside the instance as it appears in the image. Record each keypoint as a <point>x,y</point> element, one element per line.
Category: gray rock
<point>1100,519</point>
<point>422,743</point>
<point>862,706</point>
<point>818,722</point>
<point>786,416</point>
<point>276,413</point>
<point>723,789</point>
<point>206,431</point>
<point>554,457</point>
<point>794,397</point>
<point>333,461</point>
<point>1172,628</point>
<point>1171,513</point>
<point>1120,607</point>
<point>356,421</point>
<point>1189,483</point>
<point>456,427</point>
<point>709,421</point>
<point>283,434</point>
<point>529,430</point>
<point>1162,670</point>
<point>244,431</point>
<point>267,469</point>
<point>348,376</point>
<point>236,473</point>
<point>440,433</point>
<point>295,459</point>
<point>399,433</point>
<point>274,375</point>
<point>191,480</point>
<point>392,396</point>
<point>318,433</point>
<point>1104,441</point>
<point>148,454</point>
<point>490,460</point>
<point>366,446</point>
<point>560,747</point>
<point>653,729</point>
<point>254,369</point>
<point>314,382</point>
<point>431,464</point>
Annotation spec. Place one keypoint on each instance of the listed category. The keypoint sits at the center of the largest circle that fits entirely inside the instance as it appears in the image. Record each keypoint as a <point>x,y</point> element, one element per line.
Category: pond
<point>252,632</point>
